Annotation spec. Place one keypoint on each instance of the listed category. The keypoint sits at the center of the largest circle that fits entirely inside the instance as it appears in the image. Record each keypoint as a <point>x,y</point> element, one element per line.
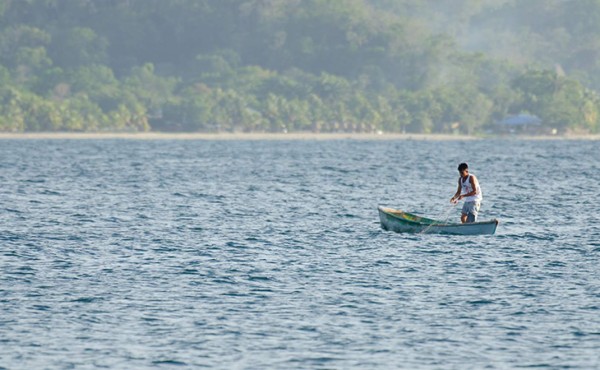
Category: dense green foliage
<point>297,65</point>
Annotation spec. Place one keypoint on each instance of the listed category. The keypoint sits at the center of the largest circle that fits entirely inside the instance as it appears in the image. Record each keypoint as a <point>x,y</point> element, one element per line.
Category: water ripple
<point>199,254</point>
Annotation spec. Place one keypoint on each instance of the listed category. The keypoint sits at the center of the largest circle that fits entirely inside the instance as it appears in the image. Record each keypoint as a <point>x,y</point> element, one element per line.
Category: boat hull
<point>403,222</point>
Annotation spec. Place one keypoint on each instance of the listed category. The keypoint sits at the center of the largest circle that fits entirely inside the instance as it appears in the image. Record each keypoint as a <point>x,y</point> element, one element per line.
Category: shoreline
<point>227,136</point>
<point>270,136</point>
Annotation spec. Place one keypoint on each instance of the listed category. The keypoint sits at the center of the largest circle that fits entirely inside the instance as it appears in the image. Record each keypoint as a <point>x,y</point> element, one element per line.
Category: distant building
<point>522,123</point>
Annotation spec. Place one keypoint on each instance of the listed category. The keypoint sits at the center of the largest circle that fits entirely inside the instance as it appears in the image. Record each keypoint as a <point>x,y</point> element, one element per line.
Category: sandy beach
<point>229,136</point>
<point>269,136</point>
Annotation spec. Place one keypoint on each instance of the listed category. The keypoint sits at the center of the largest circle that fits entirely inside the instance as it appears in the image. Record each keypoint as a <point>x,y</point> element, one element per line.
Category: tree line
<point>266,66</point>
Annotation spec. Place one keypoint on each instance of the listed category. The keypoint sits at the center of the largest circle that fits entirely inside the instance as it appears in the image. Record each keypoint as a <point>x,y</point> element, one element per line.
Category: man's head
<point>463,169</point>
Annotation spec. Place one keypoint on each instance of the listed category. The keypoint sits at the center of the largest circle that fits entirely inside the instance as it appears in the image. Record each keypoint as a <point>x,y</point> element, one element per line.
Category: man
<point>469,190</point>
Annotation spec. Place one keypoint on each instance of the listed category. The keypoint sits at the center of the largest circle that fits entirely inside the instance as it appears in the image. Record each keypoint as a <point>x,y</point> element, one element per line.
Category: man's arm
<point>456,196</point>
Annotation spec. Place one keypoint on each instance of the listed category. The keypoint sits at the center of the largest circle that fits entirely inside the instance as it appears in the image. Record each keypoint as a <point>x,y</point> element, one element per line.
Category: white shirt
<point>466,188</point>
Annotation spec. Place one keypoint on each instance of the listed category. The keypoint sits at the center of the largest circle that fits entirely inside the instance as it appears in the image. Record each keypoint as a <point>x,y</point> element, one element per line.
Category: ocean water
<point>128,254</point>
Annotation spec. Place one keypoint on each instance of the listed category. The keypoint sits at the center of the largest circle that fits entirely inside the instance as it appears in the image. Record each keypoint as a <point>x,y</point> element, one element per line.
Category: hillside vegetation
<point>429,66</point>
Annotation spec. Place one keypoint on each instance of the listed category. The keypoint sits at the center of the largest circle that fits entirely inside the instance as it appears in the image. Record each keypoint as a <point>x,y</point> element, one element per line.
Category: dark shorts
<point>471,209</point>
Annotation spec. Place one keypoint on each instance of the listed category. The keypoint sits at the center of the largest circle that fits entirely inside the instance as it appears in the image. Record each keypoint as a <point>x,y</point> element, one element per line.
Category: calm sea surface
<point>132,254</point>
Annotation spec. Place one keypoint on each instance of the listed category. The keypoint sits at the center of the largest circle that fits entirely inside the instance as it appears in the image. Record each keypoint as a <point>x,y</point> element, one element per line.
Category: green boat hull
<point>404,222</point>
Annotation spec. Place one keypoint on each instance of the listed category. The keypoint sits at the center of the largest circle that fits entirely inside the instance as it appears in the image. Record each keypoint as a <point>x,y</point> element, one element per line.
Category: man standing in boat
<point>469,190</point>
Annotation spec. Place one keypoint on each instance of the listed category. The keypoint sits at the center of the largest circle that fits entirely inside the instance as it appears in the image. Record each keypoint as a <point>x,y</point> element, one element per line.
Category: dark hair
<point>462,167</point>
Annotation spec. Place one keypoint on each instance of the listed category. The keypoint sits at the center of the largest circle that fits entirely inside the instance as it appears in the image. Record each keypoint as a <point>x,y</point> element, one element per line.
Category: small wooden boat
<point>404,222</point>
